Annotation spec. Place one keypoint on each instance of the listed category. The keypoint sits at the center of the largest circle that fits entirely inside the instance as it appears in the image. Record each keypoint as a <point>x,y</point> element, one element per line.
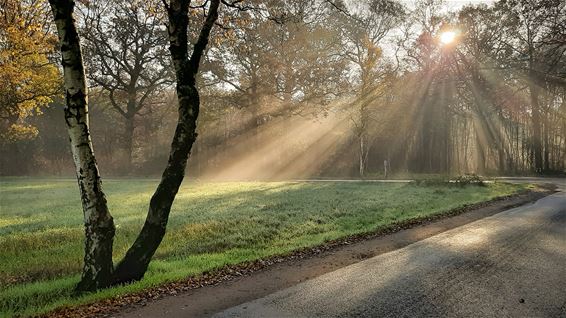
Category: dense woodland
<point>297,89</point>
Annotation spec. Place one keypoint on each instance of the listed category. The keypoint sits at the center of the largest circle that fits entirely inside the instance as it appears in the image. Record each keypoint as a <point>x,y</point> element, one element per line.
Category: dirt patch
<point>216,290</point>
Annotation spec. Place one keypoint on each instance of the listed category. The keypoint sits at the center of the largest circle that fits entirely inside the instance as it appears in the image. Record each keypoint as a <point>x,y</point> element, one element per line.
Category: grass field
<point>211,225</point>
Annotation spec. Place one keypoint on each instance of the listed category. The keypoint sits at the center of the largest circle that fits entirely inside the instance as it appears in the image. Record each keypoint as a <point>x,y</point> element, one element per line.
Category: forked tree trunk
<point>136,261</point>
<point>99,226</point>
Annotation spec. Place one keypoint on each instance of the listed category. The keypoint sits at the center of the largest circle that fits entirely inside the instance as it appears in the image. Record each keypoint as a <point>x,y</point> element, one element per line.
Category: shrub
<point>469,179</point>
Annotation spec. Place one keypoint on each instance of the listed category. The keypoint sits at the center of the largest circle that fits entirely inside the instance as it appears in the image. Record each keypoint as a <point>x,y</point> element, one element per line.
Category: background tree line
<point>293,89</point>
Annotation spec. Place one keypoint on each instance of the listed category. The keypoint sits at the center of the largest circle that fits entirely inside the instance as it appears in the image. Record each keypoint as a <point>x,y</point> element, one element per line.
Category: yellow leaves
<point>16,132</point>
<point>28,79</point>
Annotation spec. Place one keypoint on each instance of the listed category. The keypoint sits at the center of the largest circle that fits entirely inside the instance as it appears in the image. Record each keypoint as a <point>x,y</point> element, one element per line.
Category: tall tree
<point>134,264</point>
<point>364,34</point>
<point>28,79</point>
<point>98,271</point>
<point>534,36</point>
<point>126,56</point>
<point>280,60</point>
<point>99,224</point>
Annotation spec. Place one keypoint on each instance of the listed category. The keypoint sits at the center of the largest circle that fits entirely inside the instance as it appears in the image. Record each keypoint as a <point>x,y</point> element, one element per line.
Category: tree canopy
<point>29,80</point>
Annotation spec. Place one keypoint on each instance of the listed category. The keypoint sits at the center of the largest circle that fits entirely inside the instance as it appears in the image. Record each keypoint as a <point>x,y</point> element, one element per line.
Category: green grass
<point>211,225</point>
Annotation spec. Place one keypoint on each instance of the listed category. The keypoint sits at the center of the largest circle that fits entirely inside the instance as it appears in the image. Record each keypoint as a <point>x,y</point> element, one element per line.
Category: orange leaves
<point>28,79</point>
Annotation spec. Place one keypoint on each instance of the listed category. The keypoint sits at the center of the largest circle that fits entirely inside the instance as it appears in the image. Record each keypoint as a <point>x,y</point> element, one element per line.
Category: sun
<point>447,37</point>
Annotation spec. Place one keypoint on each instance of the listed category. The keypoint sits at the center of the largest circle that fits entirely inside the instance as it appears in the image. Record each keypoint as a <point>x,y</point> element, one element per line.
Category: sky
<point>455,4</point>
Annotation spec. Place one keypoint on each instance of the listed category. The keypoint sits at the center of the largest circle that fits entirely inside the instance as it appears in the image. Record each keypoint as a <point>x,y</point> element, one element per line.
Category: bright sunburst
<point>447,37</point>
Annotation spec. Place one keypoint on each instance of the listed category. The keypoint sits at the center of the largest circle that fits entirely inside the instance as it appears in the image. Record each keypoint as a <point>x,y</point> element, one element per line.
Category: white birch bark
<point>99,225</point>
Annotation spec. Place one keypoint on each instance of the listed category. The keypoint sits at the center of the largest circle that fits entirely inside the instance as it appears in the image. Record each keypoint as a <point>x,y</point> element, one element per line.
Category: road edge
<point>340,253</point>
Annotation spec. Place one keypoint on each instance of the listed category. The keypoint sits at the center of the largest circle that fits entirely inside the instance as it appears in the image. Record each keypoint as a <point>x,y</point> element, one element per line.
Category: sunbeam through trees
<point>270,95</point>
<point>478,88</point>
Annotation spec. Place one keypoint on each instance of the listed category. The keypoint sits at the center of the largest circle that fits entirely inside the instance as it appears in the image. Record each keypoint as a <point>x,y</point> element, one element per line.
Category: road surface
<point>512,264</point>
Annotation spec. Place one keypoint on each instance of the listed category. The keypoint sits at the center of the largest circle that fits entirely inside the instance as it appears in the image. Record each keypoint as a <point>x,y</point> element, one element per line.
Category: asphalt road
<point>512,264</point>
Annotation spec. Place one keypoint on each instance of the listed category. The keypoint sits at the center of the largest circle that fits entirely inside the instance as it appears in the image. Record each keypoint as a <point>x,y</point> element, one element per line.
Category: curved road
<point>512,264</point>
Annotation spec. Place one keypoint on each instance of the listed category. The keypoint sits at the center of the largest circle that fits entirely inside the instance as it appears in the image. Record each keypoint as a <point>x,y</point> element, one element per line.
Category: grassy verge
<point>211,225</point>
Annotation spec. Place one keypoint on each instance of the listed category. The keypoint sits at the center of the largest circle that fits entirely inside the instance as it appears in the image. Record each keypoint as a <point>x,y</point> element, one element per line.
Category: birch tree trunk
<point>99,225</point>
<point>137,259</point>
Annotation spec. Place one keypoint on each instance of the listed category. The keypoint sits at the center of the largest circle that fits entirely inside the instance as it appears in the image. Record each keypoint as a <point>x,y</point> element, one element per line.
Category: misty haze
<point>171,157</point>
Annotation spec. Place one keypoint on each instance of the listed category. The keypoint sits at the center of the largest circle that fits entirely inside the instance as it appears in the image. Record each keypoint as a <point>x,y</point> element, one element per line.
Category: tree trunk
<point>501,161</point>
<point>99,225</point>
<point>481,157</point>
<point>546,147</point>
<point>129,140</point>
<point>536,122</point>
<point>136,261</point>
<point>362,156</point>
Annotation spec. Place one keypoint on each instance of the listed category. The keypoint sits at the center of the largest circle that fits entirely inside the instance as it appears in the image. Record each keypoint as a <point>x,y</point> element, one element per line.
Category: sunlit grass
<point>211,225</point>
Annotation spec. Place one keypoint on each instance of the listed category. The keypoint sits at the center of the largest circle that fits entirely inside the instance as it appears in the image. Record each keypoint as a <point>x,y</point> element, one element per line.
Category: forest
<point>298,89</point>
